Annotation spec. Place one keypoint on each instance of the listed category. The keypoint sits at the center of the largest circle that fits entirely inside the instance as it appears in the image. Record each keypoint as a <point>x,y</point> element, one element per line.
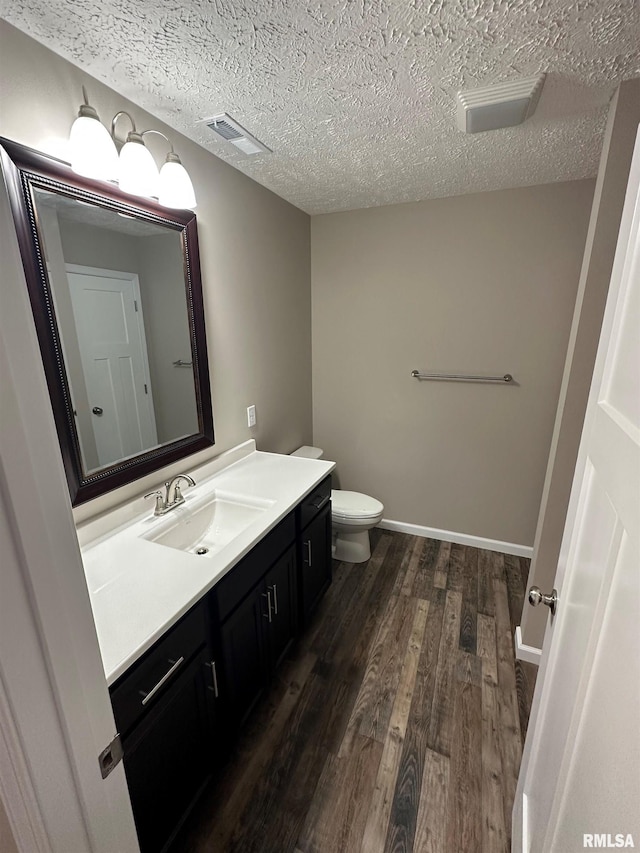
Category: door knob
<point>536,597</point>
<point>97,410</point>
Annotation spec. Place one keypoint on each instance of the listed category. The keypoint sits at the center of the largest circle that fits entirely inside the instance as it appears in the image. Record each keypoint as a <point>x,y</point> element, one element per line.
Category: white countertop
<point>139,589</point>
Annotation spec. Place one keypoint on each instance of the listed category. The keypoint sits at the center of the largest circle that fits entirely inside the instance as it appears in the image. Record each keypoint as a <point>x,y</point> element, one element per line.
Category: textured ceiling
<point>356,98</point>
<point>74,210</point>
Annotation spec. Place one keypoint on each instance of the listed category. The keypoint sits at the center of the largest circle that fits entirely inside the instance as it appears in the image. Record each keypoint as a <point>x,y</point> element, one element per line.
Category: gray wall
<point>51,237</point>
<point>483,284</point>
<point>7,841</point>
<point>167,331</point>
<point>89,246</point>
<point>602,238</point>
<point>157,260</point>
<point>254,251</point>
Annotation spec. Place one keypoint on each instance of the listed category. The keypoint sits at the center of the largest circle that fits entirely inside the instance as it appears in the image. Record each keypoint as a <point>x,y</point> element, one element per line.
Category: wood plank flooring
<point>398,724</point>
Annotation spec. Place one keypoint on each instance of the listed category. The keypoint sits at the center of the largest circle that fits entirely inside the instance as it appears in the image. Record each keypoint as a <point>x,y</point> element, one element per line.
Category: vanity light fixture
<point>138,170</point>
<point>92,150</point>
<point>94,154</point>
<point>175,188</point>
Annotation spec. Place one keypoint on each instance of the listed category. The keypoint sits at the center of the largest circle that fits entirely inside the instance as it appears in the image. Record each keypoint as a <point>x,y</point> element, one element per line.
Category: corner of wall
<point>600,248</point>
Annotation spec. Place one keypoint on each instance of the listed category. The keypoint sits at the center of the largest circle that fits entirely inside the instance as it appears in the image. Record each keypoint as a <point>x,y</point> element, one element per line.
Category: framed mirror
<point>115,289</point>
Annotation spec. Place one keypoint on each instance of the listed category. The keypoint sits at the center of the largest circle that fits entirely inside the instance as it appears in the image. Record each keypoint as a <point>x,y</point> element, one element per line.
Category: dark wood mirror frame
<point>25,169</point>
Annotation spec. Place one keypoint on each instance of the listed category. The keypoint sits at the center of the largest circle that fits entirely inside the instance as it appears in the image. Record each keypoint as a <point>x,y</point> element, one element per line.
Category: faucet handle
<point>172,487</point>
<point>159,501</point>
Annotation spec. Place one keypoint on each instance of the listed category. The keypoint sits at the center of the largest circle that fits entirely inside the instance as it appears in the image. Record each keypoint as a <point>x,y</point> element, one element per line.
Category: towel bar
<point>461,377</point>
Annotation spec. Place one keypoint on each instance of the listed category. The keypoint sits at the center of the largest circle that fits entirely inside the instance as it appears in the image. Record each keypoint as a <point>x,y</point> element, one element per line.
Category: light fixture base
<point>87,111</point>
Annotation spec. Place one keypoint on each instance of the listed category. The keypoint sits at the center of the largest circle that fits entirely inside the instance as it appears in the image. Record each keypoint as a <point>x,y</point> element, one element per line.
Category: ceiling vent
<point>229,130</point>
<point>502,105</point>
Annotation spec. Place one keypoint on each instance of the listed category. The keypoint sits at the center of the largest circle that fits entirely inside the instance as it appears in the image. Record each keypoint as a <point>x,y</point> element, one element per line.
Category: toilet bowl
<point>353,515</point>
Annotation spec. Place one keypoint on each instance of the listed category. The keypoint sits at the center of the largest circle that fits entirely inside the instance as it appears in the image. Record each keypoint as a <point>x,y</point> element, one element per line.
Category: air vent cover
<point>224,129</point>
<point>229,130</point>
<point>502,105</point>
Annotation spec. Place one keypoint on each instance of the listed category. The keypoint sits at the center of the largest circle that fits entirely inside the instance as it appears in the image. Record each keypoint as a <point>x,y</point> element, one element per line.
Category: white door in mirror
<point>106,307</point>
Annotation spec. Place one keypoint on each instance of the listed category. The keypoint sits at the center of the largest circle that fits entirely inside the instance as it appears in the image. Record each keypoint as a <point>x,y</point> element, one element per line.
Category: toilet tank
<point>309,452</point>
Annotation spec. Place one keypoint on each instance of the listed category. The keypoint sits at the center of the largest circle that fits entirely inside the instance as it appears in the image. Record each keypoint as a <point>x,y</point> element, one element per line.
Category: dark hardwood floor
<point>399,723</point>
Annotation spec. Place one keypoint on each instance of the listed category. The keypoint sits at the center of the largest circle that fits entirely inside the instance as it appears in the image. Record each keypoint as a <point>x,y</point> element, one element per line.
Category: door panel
<point>579,772</point>
<point>112,345</point>
<point>316,565</point>
<point>280,582</point>
<point>597,755</point>
<point>170,756</point>
<point>243,648</point>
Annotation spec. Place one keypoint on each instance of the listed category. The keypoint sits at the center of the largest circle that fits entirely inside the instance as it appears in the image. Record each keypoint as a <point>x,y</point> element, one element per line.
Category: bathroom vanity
<point>194,610</point>
<point>191,641</point>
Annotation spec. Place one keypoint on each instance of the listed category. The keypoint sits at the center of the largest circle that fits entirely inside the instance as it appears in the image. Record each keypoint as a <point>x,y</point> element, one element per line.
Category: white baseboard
<point>530,654</point>
<point>458,538</point>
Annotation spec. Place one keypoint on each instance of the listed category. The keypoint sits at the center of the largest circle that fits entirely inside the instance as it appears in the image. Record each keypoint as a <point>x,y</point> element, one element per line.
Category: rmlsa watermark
<point>604,839</point>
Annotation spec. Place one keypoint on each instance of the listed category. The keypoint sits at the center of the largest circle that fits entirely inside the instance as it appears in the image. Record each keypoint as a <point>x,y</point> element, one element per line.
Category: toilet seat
<point>354,505</point>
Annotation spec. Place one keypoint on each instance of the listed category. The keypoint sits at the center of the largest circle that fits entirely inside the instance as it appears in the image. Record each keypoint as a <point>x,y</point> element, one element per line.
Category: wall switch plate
<point>251,416</point>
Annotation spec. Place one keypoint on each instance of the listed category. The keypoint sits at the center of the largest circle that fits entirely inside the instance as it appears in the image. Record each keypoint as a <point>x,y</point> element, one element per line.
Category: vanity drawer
<point>234,586</point>
<point>315,502</point>
<point>148,679</point>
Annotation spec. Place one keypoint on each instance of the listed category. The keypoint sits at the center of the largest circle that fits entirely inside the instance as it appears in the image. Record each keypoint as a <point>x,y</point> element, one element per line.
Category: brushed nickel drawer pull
<point>274,590</point>
<point>214,676</point>
<point>308,544</point>
<point>323,502</point>
<point>267,595</point>
<point>163,680</point>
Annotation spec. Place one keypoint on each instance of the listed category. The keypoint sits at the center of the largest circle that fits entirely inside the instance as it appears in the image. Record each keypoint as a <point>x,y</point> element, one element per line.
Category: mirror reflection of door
<point>108,313</point>
<point>118,289</point>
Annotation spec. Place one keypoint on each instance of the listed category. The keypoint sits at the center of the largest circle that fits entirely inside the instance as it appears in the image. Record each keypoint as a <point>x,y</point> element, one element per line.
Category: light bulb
<point>92,150</point>
<point>175,188</point>
<point>138,170</point>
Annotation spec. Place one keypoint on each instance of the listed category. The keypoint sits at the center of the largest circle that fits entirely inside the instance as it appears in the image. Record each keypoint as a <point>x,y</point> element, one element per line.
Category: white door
<point>55,711</point>
<point>579,783</point>
<point>107,310</point>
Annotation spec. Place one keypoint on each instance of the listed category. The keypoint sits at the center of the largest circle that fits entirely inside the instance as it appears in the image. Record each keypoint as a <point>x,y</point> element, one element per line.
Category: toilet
<point>353,515</point>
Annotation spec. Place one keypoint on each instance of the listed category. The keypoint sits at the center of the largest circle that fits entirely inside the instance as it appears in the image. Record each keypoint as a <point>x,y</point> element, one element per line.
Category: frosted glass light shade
<point>138,170</point>
<point>175,188</point>
<point>92,150</point>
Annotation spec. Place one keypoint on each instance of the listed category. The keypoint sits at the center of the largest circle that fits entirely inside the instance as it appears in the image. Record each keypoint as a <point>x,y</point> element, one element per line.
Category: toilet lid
<point>354,505</point>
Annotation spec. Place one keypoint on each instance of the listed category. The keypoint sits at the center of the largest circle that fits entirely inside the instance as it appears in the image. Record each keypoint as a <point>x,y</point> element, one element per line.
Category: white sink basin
<point>205,528</point>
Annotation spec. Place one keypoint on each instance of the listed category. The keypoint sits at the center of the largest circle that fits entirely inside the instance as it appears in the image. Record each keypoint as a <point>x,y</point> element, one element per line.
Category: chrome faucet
<point>172,495</point>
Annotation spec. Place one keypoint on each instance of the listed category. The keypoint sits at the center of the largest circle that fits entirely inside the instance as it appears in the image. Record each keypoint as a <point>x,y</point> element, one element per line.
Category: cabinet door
<point>170,755</point>
<point>244,653</point>
<point>315,562</point>
<point>280,584</point>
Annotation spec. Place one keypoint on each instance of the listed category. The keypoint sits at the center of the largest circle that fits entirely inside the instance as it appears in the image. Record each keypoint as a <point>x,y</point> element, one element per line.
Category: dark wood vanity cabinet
<point>178,707</point>
<point>171,755</point>
<point>256,610</point>
<point>314,542</point>
<point>281,588</point>
<point>166,709</point>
